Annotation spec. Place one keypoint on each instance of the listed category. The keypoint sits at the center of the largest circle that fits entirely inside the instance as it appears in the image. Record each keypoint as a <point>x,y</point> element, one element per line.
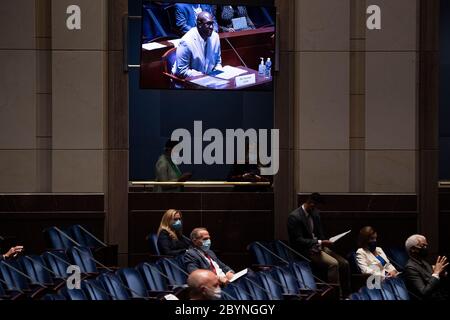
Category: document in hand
<point>239,274</point>
<point>336,238</point>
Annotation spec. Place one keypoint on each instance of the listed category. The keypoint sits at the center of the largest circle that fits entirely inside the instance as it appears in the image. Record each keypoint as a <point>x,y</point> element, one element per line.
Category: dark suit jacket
<point>193,260</point>
<point>185,18</point>
<point>300,235</point>
<point>419,280</point>
<point>170,247</point>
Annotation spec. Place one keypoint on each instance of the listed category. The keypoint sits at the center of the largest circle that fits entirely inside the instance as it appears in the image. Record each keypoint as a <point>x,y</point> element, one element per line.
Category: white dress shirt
<point>219,271</point>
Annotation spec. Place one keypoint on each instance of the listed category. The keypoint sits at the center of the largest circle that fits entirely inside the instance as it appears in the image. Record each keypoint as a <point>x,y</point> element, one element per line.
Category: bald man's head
<point>205,24</point>
<point>204,285</point>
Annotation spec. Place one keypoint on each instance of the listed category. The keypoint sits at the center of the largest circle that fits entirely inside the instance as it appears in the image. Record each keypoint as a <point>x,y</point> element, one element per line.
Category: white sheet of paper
<point>336,238</point>
<point>208,81</point>
<point>239,274</point>
<point>229,72</point>
<point>175,42</point>
<point>152,46</point>
<point>171,297</point>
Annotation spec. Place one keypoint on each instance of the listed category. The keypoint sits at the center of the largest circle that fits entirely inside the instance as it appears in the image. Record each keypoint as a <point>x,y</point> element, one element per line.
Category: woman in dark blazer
<point>171,241</point>
<point>226,14</point>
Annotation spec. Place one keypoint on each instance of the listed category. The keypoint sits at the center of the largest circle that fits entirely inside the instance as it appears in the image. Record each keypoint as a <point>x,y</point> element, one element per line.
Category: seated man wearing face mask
<point>204,285</point>
<point>199,256</point>
<point>423,280</point>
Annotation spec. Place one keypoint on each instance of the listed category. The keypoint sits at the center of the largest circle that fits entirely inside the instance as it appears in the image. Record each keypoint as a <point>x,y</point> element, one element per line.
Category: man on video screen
<point>186,15</point>
<point>199,51</point>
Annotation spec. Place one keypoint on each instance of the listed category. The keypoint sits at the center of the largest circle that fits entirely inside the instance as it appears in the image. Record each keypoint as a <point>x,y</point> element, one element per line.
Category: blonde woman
<point>371,259</point>
<point>171,241</point>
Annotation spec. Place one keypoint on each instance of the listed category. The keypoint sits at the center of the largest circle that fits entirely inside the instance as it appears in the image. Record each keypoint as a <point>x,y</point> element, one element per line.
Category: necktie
<point>213,269</point>
<point>311,224</point>
<point>206,57</point>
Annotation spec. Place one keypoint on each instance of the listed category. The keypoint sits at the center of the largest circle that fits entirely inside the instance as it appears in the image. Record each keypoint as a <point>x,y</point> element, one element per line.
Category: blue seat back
<point>283,252</point>
<point>355,296</point>
<point>174,270</point>
<point>255,288</point>
<point>363,294</point>
<point>229,293</point>
<point>273,290</point>
<point>152,276</point>
<point>152,240</point>
<point>74,294</point>
<point>158,21</point>
<point>259,254</point>
<point>303,273</point>
<point>287,279</point>
<point>94,290</point>
<point>387,290</point>
<point>58,262</point>
<point>398,257</point>
<point>114,286</point>
<point>83,238</point>
<point>13,279</point>
<point>373,294</point>
<point>55,240</point>
<point>241,291</point>
<point>236,291</point>
<point>399,288</point>
<point>34,266</point>
<point>53,297</point>
<point>82,257</point>
<point>131,278</point>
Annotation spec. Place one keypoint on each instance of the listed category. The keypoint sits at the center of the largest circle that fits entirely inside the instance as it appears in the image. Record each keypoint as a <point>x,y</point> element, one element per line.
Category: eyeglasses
<point>208,23</point>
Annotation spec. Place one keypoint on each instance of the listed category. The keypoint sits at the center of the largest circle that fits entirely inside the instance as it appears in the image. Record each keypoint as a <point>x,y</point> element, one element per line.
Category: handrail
<point>198,183</point>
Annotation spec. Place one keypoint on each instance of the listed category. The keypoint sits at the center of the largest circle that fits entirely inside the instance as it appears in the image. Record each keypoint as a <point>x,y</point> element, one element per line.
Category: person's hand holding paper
<point>238,275</point>
<point>336,238</point>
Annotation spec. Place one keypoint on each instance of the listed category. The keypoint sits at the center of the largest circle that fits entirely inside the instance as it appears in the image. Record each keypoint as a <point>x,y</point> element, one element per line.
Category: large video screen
<point>207,46</point>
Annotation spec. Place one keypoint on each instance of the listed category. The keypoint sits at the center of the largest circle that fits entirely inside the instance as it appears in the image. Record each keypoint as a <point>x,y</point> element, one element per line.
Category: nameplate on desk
<point>246,80</point>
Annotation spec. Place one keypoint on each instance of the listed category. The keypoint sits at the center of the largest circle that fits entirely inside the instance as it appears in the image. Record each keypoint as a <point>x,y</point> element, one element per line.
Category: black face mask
<point>372,246</point>
<point>423,252</point>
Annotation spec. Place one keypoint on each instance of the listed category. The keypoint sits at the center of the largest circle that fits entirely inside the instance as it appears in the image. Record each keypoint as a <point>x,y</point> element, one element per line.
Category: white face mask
<point>214,294</point>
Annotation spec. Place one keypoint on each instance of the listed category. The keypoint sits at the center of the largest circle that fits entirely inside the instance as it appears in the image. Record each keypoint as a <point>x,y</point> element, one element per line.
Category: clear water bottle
<point>268,68</point>
<point>262,68</point>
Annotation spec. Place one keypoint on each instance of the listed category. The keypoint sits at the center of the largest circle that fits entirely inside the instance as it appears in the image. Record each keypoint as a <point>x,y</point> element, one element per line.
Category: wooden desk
<point>250,44</point>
